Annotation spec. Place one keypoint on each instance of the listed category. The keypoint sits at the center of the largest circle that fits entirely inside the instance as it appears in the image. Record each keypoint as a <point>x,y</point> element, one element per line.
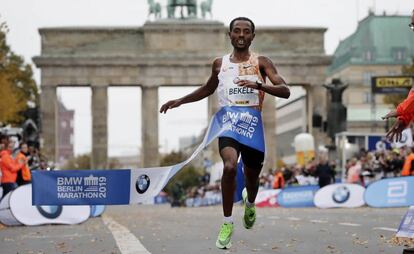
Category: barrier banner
<point>340,195</point>
<point>406,228</point>
<point>391,192</point>
<point>115,187</point>
<point>267,198</point>
<point>16,209</point>
<point>297,196</point>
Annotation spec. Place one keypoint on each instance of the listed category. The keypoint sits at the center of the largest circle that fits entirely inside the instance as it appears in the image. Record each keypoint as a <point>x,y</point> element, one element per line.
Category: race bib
<point>242,96</point>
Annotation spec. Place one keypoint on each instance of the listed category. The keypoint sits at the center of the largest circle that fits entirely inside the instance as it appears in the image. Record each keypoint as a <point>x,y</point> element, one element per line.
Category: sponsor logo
<point>142,184</point>
<point>341,194</point>
<point>89,187</point>
<point>397,192</point>
<point>243,124</point>
<point>50,212</point>
<point>297,196</point>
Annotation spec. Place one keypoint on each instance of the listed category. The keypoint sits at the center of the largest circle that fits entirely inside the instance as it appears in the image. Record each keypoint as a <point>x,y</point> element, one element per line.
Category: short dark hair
<point>242,18</point>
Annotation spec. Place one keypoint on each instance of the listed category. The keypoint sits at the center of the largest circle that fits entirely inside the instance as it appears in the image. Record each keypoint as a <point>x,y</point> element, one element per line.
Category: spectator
<point>23,175</point>
<point>354,172</point>
<point>396,163</point>
<point>9,168</point>
<point>324,172</point>
<point>408,168</point>
<point>278,180</point>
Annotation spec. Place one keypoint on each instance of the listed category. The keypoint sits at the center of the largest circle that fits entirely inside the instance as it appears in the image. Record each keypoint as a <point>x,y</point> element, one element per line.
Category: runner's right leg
<point>229,155</point>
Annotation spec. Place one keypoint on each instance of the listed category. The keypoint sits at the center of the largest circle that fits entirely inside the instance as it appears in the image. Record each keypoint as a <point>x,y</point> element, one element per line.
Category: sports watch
<point>259,84</point>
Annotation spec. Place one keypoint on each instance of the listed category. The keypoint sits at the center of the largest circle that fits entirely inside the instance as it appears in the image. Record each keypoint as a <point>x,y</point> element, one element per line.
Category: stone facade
<point>161,53</point>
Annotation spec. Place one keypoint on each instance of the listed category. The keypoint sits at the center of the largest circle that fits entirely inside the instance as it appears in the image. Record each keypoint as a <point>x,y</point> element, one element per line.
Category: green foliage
<point>18,89</point>
<point>188,177</point>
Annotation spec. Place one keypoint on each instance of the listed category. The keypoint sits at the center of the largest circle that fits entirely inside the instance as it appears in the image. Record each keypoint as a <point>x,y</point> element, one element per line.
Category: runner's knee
<point>230,169</point>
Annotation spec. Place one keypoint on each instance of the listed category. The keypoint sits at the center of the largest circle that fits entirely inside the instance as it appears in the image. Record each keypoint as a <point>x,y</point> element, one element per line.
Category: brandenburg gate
<point>169,52</point>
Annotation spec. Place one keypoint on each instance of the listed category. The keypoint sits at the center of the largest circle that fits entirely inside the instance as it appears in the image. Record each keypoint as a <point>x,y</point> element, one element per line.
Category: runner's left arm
<point>279,87</point>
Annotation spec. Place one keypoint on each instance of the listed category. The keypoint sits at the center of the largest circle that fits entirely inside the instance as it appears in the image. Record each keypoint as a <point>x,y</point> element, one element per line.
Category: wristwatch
<point>259,84</point>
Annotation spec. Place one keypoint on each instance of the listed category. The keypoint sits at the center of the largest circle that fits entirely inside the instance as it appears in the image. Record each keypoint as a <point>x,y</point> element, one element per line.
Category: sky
<point>25,17</point>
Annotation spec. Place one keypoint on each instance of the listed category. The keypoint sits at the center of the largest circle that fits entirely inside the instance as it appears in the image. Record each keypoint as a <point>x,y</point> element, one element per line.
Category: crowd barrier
<point>389,192</point>
<point>16,209</point>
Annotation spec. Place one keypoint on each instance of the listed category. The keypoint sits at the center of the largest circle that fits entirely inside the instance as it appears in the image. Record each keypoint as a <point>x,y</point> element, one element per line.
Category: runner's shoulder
<point>217,64</point>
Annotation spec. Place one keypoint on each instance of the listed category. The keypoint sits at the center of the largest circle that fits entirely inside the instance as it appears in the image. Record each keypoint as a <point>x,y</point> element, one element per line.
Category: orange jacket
<point>407,165</point>
<point>278,181</point>
<point>9,167</point>
<point>405,110</point>
<point>22,159</point>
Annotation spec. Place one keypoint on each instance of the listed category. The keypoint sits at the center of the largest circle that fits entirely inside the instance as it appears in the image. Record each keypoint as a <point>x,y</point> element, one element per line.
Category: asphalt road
<point>161,229</point>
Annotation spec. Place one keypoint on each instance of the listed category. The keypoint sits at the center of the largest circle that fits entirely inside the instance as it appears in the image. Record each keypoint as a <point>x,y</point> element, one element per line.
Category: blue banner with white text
<point>116,187</point>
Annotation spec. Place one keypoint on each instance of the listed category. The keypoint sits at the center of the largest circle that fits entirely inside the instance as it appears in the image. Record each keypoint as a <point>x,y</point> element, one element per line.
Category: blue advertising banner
<point>378,143</point>
<point>81,187</point>
<point>298,196</point>
<point>391,192</point>
<point>113,187</point>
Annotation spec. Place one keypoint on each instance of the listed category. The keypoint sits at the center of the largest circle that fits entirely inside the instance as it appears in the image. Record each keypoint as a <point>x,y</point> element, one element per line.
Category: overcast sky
<point>25,17</point>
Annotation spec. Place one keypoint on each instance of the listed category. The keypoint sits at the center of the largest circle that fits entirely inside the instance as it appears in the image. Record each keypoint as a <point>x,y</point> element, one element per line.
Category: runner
<point>240,80</point>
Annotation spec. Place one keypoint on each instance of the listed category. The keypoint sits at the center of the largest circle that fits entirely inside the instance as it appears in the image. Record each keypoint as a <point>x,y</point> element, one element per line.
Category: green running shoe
<point>249,217</point>
<point>224,237</point>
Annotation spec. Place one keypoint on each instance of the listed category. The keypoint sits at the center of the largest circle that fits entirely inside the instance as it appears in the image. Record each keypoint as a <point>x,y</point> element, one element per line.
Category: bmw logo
<point>142,184</point>
<point>341,194</point>
<point>50,211</point>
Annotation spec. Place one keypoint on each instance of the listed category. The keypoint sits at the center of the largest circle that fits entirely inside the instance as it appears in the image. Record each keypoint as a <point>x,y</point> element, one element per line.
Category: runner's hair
<point>242,18</point>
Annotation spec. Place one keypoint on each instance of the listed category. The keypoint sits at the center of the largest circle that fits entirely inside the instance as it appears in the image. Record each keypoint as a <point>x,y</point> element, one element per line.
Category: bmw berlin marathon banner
<point>129,186</point>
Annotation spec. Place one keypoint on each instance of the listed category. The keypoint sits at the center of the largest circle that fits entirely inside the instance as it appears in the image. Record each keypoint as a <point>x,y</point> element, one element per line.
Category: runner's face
<point>241,36</point>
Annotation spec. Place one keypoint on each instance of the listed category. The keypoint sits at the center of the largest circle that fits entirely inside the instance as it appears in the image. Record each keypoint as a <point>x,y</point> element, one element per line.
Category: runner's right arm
<point>200,93</point>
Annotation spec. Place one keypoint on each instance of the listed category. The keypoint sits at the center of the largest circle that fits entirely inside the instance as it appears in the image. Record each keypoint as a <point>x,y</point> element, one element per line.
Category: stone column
<point>213,107</point>
<point>49,109</point>
<point>150,113</point>
<point>269,121</point>
<point>99,156</point>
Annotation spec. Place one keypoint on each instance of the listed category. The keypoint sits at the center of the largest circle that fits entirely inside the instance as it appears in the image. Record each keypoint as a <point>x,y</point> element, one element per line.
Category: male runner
<point>240,69</point>
<point>404,111</point>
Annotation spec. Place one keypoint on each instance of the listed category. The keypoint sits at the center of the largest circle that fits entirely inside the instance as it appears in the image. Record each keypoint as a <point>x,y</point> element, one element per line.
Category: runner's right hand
<point>169,105</point>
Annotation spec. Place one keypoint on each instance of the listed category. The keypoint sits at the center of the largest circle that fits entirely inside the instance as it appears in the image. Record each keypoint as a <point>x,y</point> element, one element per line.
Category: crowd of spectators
<point>17,160</point>
<point>363,168</point>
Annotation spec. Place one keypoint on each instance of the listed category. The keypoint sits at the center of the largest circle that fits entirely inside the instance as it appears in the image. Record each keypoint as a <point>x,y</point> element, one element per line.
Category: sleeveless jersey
<point>231,94</point>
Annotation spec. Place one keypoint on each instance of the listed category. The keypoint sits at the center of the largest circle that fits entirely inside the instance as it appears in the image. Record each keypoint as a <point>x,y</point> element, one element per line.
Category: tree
<point>18,89</point>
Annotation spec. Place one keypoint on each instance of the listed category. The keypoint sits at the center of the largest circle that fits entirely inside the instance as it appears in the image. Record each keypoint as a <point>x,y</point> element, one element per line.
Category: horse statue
<point>154,8</point>
<point>206,8</point>
<point>190,4</point>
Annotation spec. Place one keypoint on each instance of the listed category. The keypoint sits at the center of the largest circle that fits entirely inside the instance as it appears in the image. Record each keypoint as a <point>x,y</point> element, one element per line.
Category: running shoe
<point>249,212</point>
<point>224,237</point>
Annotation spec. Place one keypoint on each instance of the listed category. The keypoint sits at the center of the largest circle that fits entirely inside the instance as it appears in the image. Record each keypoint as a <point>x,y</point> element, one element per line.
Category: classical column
<point>99,157</point>
<point>49,109</point>
<point>269,121</point>
<point>150,113</point>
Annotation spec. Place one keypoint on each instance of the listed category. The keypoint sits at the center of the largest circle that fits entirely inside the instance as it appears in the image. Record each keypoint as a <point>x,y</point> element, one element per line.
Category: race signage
<point>340,195</point>
<point>406,228</point>
<point>298,196</point>
<point>391,192</point>
<point>115,187</point>
<point>391,84</point>
<point>267,198</point>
